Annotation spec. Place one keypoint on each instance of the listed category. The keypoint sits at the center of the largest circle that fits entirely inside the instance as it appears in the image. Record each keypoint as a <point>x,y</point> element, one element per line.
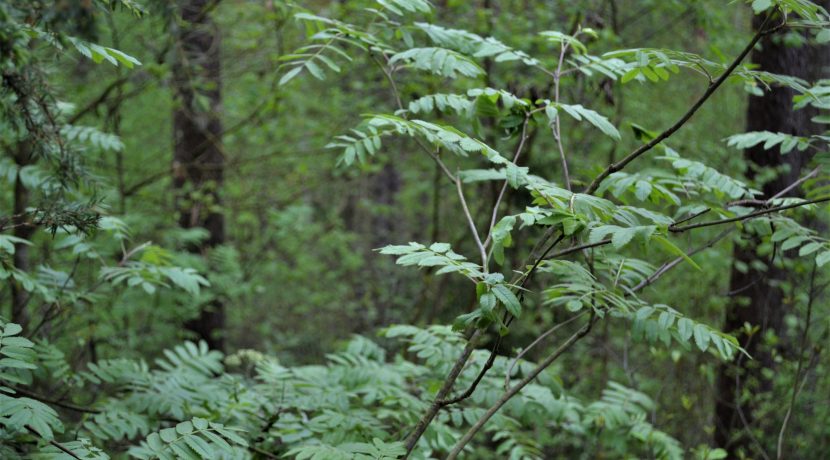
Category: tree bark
<point>22,229</point>
<point>757,298</point>
<point>198,160</point>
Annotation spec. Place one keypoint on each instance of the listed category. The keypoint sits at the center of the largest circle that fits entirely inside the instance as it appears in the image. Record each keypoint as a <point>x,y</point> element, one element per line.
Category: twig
<point>388,75</point>
<point>262,452</point>
<point>574,249</point>
<point>472,225</point>
<point>55,402</point>
<point>469,391</point>
<point>683,228</point>
<point>437,160</point>
<point>614,167</point>
<point>556,123</point>
<point>53,442</point>
<point>802,346</point>
<point>536,342</point>
<point>796,184</point>
<point>669,265</point>
<point>468,436</point>
<point>495,213</point>
<point>693,216</point>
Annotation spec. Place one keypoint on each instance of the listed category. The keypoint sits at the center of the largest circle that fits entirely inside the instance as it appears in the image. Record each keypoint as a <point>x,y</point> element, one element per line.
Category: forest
<point>414,229</point>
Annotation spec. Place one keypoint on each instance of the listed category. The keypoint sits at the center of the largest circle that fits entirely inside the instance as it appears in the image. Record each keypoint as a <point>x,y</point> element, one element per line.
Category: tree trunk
<point>22,229</point>
<point>198,161</point>
<point>757,298</point>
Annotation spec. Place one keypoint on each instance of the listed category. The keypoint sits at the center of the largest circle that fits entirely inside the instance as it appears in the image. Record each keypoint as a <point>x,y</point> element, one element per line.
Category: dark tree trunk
<point>384,188</point>
<point>22,229</point>
<point>198,161</point>
<point>757,298</point>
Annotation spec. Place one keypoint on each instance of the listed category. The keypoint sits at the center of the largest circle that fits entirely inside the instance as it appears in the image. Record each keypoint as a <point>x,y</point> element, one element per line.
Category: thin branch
<point>614,167</point>
<point>574,249</point>
<point>674,229</point>
<point>54,443</point>
<point>468,436</point>
<point>802,346</point>
<point>472,224</point>
<point>262,452</point>
<point>437,160</point>
<point>435,407</point>
<point>557,132</point>
<point>388,75</point>
<point>669,265</point>
<point>472,388</point>
<point>795,184</point>
<point>693,216</point>
<point>495,213</point>
<point>92,105</point>
<point>55,402</point>
<point>783,192</point>
<point>536,342</point>
<point>683,228</point>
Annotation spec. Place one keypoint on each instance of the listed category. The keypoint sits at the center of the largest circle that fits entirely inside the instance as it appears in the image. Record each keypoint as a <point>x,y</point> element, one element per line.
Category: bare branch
<point>683,228</point>
<point>614,167</point>
<point>557,132</point>
<point>472,225</point>
<point>469,391</point>
<point>495,213</point>
<point>795,184</point>
<point>53,442</point>
<point>55,402</point>
<point>574,249</point>
<point>669,265</point>
<point>802,347</point>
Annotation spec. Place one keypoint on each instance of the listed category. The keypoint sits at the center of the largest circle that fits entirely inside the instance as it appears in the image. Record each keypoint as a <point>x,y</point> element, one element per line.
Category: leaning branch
<point>55,402</point>
<point>713,86</point>
<point>433,409</point>
<point>683,228</point>
<point>472,224</point>
<point>54,443</point>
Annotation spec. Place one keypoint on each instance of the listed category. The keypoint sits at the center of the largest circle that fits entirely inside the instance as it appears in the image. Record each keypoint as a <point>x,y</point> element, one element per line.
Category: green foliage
<point>111,272</point>
<point>196,439</point>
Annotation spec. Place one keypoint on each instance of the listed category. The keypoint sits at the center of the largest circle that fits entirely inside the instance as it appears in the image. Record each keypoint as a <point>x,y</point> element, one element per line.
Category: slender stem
<point>472,388</point>
<point>557,132</point>
<point>669,265</point>
<point>574,249</point>
<point>796,184</point>
<point>55,402</point>
<point>693,216</point>
<point>803,345</point>
<point>388,74</point>
<point>56,444</point>
<point>396,94</point>
<point>683,228</point>
<point>472,224</point>
<point>437,160</point>
<point>614,167</point>
<point>536,342</point>
<point>495,213</point>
